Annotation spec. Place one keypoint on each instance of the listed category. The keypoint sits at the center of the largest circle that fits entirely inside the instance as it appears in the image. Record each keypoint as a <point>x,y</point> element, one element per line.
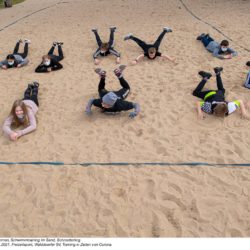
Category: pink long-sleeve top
<point>32,110</point>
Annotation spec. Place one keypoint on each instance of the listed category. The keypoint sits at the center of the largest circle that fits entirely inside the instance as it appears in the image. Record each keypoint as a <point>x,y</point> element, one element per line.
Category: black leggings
<point>25,52</point>
<point>31,94</point>
<point>122,93</point>
<point>146,46</point>
<point>111,39</point>
<point>60,53</point>
<point>201,94</point>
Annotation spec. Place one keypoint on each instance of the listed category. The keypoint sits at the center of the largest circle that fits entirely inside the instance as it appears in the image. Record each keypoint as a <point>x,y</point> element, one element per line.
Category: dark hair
<point>224,43</point>
<point>10,56</point>
<point>221,109</point>
<point>104,46</point>
<point>248,63</point>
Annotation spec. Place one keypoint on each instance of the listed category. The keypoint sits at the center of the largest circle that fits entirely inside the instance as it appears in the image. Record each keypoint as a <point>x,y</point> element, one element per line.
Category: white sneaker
<point>27,41</point>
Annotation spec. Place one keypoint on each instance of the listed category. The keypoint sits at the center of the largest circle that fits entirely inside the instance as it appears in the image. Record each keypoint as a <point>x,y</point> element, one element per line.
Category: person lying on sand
<point>221,50</point>
<point>113,101</point>
<point>50,62</point>
<point>151,51</point>
<point>16,59</point>
<point>213,101</point>
<point>105,49</point>
<point>247,83</point>
<point>23,114</point>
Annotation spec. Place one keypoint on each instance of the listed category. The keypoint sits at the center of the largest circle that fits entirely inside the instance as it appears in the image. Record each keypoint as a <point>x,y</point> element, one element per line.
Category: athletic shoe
<point>100,72</point>
<point>112,28</point>
<point>217,70</point>
<point>94,29</point>
<point>27,41</point>
<point>128,36</point>
<point>36,84</point>
<point>167,29</point>
<point>200,36</point>
<point>54,44</point>
<point>59,43</point>
<point>19,40</point>
<point>119,70</point>
<point>204,74</point>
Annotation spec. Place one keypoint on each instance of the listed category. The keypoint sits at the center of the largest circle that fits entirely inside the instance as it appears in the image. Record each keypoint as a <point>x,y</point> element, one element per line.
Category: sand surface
<point>125,201</point>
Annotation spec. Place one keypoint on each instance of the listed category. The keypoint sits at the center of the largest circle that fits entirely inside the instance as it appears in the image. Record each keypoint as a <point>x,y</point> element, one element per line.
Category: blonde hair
<point>16,122</point>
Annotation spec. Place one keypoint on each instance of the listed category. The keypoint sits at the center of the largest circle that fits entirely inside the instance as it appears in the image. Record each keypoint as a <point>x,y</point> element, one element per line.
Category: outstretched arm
<point>243,109</point>
<point>201,115</point>
<point>137,59</point>
<point>172,59</point>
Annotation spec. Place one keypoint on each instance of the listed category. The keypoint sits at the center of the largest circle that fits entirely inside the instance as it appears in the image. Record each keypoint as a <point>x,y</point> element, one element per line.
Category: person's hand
<point>13,136</point>
<point>132,115</point>
<point>97,62</point>
<point>88,112</point>
<point>117,60</point>
<point>134,62</point>
<point>228,56</point>
<point>201,116</point>
<point>244,115</point>
<point>49,69</point>
<point>4,67</point>
<point>19,65</point>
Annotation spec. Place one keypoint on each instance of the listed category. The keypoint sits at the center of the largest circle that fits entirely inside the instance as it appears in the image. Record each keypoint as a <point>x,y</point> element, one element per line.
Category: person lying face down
<point>151,51</point>
<point>23,114</point>
<point>219,50</point>
<point>16,59</point>
<point>213,101</point>
<point>105,49</point>
<point>50,62</point>
<point>113,101</point>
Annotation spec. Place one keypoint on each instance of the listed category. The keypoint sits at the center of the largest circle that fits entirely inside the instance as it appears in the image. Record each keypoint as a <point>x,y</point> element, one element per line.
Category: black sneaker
<point>94,29</point>
<point>217,70</point>
<point>112,28</point>
<point>200,36</point>
<point>36,84</point>
<point>204,74</point>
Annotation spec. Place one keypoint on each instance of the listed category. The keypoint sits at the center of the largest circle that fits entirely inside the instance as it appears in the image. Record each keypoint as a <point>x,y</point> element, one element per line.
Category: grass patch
<point>14,2</point>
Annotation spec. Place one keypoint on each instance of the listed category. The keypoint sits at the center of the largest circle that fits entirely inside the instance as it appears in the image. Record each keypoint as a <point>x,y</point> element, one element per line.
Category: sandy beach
<point>125,201</point>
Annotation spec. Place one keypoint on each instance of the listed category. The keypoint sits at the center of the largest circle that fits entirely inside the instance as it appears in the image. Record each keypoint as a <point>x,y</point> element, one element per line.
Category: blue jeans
<point>206,40</point>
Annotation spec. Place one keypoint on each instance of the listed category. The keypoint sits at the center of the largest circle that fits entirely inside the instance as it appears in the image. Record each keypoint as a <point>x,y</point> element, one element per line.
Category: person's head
<point>109,100</point>
<point>220,109</point>
<point>10,59</point>
<point>151,52</point>
<point>104,47</point>
<point>20,113</point>
<point>46,60</point>
<point>248,65</point>
<point>224,45</point>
